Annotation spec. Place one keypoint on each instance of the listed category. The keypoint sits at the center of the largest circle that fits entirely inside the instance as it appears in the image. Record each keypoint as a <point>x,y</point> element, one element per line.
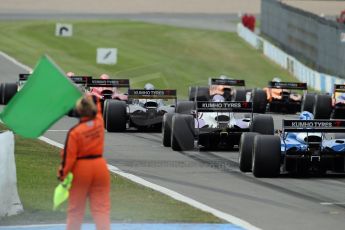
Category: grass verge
<point>166,56</point>
<point>37,163</point>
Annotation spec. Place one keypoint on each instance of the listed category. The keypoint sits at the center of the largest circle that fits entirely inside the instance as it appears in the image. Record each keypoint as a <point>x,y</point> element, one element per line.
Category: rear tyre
<point>166,129</point>
<point>1,94</point>
<point>262,124</point>
<point>8,91</point>
<point>266,156</point>
<point>322,107</point>
<point>259,101</point>
<point>182,133</point>
<point>201,94</point>
<point>185,107</point>
<point>308,103</point>
<point>191,93</point>
<point>240,95</point>
<point>246,151</point>
<point>116,116</point>
<point>104,112</point>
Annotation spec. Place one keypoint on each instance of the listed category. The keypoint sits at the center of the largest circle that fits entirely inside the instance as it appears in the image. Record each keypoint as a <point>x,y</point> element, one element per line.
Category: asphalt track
<point>213,178</point>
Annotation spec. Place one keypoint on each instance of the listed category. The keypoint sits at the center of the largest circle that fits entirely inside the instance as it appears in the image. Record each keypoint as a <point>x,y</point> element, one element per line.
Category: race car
<point>219,86</point>
<point>145,109</point>
<point>303,146</point>
<point>214,124</point>
<point>82,83</point>
<point>105,89</point>
<point>282,99</point>
<point>327,106</point>
<point>8,90</point>
<point>227,88</point>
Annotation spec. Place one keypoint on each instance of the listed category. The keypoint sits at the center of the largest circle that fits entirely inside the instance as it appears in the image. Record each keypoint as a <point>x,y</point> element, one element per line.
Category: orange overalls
<point>82,156</point>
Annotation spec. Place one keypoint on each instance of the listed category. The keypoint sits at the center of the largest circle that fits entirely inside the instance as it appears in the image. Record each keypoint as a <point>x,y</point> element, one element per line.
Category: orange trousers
<point>91,181</point>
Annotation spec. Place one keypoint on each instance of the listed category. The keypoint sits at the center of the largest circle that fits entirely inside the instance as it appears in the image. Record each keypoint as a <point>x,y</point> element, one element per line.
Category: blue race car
<point>302,146</point>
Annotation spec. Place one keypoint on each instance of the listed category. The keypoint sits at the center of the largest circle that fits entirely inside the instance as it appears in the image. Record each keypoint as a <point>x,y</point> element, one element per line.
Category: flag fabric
<point>45,98</point>
<point>61,192</point>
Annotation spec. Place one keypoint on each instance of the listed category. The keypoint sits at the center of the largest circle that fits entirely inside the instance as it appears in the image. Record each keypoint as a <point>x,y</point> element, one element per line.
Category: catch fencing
<point>316,41</point>
<point>314,79</point>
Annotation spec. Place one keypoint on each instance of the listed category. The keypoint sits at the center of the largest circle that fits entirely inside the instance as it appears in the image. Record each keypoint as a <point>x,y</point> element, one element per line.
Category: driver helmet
<point>218,98</point>
<point>224,77</point>
<point>70,74</point>
<point>276,79</point>
<point>104,76</point>
<point>305,115</point>
<point>149,86</point>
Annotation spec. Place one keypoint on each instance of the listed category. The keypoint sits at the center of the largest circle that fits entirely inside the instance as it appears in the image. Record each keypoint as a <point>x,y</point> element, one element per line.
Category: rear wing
<point>228,82</point>
<point>314,126</point>
<point>24,76</point>
<point>81,80</point>
<point>231,106</point>
<point>118,83</point>
<point>339,88</point>
<point>287,85</point>
<point>152,94</point>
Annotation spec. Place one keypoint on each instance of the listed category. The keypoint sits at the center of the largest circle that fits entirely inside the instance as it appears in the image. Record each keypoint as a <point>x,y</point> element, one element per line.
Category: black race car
<point>144,110</point>
<point>8,90</point>
<point>282,98</point>
<point>218,86</point>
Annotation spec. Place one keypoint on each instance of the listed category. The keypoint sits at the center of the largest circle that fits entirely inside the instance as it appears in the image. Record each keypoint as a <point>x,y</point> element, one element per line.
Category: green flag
<point>45,98</point>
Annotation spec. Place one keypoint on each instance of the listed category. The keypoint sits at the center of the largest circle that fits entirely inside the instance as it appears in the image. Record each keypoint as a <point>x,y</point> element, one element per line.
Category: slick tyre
<point>191,94</point>
<point>246,151</point>
<point>266,156</point>
<point>116,116</point>
<point>259,98</point>
<point>1,94</point>
<point>182,133</point>
<point>240,95</point>
<point>166,129</point>
<point>199,94</point>
<point>322,107</point>
<point>104,112</point>
<point>308,103</point>
<point>8,91</point>
<point>262,124</point>
<point>185,107</point>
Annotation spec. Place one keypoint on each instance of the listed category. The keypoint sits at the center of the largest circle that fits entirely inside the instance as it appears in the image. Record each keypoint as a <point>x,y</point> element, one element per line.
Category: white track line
<point>57,130</point>
<point>332,203</point>
<point>177,196</point>
<point>14,61</point>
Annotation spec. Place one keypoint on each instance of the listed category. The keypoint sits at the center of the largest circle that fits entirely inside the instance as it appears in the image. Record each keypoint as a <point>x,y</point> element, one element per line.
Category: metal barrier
<point>317,41</point>
<point>315,80</point>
